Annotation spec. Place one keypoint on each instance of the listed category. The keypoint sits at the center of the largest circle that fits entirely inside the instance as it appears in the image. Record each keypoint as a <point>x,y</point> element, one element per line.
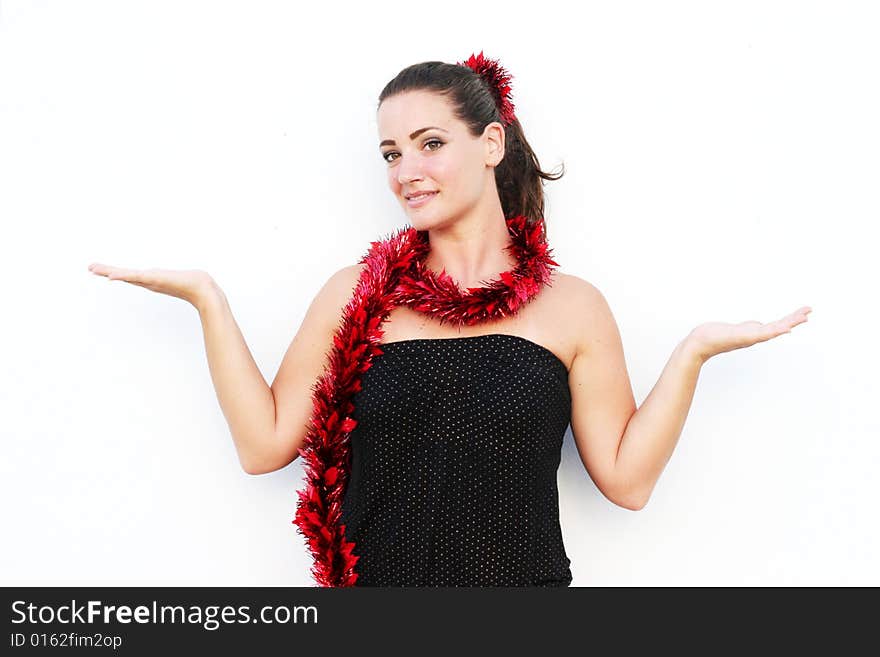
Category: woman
<point>445,366</point>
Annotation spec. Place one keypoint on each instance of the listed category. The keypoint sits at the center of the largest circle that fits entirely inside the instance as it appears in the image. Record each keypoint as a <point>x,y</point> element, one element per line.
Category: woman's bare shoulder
<point>587,309</point>
<point>350,274</point>
<point>574,289</point>
<point>584,297</point>
<point>333,296</point>
<point>343,282</point>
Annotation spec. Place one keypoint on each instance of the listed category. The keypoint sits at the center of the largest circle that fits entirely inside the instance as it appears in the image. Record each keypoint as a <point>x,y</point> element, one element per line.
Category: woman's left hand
<point>715,338</point>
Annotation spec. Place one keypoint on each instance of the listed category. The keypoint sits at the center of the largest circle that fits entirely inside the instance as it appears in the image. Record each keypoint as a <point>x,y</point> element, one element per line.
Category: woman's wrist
<point>207,294</point>
<point>695,349</point>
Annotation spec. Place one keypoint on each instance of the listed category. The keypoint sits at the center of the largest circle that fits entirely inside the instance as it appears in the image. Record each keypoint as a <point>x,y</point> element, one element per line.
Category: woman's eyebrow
<point>391,142</point>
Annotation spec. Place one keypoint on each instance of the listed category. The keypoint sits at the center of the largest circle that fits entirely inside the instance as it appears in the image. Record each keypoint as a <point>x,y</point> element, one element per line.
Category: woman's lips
<point>419,201</point>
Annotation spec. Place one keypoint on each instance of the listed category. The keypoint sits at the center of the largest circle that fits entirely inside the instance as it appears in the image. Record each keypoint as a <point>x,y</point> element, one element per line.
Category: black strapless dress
<point>454,464</point>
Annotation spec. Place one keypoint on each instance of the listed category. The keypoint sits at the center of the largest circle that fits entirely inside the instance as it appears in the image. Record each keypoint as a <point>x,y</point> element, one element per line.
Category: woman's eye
<point>430,141</point>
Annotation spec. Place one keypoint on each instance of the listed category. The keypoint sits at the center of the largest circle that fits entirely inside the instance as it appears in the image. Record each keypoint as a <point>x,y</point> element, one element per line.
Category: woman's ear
<point>493,135</point>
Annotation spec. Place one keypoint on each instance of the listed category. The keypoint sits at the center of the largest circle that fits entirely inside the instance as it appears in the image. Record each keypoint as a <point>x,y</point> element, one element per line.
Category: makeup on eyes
<point>430,140</point>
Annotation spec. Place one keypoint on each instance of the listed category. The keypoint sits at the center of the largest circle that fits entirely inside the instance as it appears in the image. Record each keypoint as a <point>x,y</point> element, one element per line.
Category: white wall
<point>721,165</point>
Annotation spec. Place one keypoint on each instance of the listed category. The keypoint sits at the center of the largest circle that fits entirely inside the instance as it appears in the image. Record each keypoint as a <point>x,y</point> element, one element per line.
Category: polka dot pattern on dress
<point>454,464</point>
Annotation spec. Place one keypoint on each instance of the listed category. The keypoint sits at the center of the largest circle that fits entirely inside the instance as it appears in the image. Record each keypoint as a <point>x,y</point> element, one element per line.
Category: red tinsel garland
<point>395,275</point>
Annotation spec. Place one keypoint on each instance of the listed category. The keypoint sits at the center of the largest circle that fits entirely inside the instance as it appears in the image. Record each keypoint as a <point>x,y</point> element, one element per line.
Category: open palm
<point>715,338</point>
<point>186,284</point>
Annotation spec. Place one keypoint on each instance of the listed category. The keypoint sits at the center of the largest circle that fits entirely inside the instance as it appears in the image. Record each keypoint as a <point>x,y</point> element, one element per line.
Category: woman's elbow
<point>632,504</point>
<point>264,465</point>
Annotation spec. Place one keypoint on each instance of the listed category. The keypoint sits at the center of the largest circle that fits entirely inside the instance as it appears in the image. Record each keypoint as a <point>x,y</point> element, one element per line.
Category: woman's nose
<point>408,171</point>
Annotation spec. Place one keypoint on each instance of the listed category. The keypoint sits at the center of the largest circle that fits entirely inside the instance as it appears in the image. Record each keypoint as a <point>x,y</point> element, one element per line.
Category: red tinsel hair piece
<point>394,275</point>
<point>498,80</point>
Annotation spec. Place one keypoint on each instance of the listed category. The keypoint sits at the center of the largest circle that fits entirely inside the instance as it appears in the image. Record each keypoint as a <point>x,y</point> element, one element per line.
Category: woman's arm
<point>623,448</point>
<point>245,398</point>
<point>602,401</point>
<point>654,429</point>
<point>305,361</point>
<point>269,424</point>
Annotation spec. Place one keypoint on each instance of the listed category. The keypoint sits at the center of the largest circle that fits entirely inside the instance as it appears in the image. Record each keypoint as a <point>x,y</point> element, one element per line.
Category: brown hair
<point>518,176</point>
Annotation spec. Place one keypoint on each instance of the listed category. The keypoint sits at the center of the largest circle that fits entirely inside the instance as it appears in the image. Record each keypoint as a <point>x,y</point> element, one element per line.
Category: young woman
<point>430,385</point>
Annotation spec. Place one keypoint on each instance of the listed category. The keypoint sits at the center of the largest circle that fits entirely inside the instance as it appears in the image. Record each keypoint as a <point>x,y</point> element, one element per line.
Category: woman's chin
<point>425,223</point>
<point>419,220</point>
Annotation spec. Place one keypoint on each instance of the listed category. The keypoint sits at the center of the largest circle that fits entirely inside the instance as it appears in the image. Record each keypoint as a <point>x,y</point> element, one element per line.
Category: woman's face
<point>444,159</point>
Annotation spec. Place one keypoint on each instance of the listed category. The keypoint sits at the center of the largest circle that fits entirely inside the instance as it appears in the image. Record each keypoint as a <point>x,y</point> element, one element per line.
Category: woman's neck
<point>472,250</point>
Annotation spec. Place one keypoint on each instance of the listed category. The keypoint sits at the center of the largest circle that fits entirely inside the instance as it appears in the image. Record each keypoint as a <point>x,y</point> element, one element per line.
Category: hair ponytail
<point>519,177</point>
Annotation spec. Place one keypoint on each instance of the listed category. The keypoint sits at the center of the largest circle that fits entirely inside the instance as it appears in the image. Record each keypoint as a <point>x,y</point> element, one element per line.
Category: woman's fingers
<point>135,276</point>
<point>788,322</point>
<point>128,275</point>
<point>104,270</point>
<point>799,316</point>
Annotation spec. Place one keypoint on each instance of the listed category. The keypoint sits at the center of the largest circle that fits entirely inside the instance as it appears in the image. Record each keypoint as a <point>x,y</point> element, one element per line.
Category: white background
<point>721,165</point>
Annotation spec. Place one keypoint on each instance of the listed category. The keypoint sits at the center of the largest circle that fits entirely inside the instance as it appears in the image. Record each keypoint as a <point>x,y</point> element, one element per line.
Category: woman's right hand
<point>191,285</point>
